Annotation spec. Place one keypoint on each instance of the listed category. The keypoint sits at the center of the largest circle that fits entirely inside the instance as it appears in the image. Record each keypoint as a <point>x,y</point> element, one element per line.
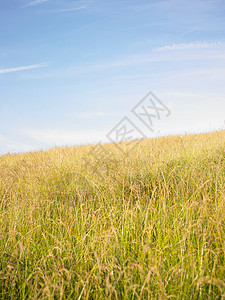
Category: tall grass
<point>149,225</point>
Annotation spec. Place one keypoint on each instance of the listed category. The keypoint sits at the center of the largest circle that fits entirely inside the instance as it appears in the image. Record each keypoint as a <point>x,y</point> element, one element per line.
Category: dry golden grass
<point>148,225</point>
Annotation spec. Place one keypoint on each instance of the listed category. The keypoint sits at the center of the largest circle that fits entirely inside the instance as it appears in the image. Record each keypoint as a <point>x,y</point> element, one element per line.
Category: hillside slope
<point>148,224</point>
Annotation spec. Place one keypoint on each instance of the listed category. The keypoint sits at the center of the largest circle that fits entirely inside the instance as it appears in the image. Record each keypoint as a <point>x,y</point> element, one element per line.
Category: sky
<point>73,72</point>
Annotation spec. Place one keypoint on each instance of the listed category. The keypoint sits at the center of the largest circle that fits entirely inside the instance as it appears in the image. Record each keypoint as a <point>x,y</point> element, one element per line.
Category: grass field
<point>147,225</point>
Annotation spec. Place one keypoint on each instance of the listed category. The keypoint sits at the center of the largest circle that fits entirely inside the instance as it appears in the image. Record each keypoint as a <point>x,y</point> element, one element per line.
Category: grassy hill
<point>149,224</point>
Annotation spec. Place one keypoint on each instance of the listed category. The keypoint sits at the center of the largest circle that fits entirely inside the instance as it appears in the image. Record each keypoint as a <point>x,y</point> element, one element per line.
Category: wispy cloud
<point>71,9</point>
<point>152,57</point>
<point>35,2</point>
<point>90,114</point>
<point>51,137</point>
<point>217,55</point>
<point>23,68</point>
<point>58,10</point>
<point>9,145</point>
<point>192,45</point>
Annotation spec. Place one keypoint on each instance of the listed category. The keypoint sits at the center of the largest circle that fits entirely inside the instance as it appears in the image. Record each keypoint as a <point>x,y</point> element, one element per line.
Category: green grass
<point>148,225</point>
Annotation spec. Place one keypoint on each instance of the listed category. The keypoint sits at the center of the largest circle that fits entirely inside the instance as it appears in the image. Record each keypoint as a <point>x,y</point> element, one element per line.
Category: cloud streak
<point>36,2</point>
<point>12,146</point>
<point>54,137</point>
<point>23,68</point>
<point>64,10</point>
<point>131,61</point>
<point>192,45</point>
<point>60,10</point>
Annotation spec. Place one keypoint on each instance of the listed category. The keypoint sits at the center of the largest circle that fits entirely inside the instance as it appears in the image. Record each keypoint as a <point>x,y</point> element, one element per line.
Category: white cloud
<point>217,55</point>
<point>192,45</point>
<point>68,9</point>
<point>90,114</point>
<point>52,137</point>
<point>60,10</point>
<point>11,146</point>
<point>23,68</point>
<point>152,57</point>
<point>36,2</point>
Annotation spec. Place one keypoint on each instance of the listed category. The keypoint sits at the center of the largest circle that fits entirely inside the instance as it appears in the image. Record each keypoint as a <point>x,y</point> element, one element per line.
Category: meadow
<point>149,224</point>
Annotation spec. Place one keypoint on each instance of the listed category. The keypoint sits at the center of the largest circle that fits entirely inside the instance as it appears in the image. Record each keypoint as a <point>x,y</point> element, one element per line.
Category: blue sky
<point>71,70</point>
